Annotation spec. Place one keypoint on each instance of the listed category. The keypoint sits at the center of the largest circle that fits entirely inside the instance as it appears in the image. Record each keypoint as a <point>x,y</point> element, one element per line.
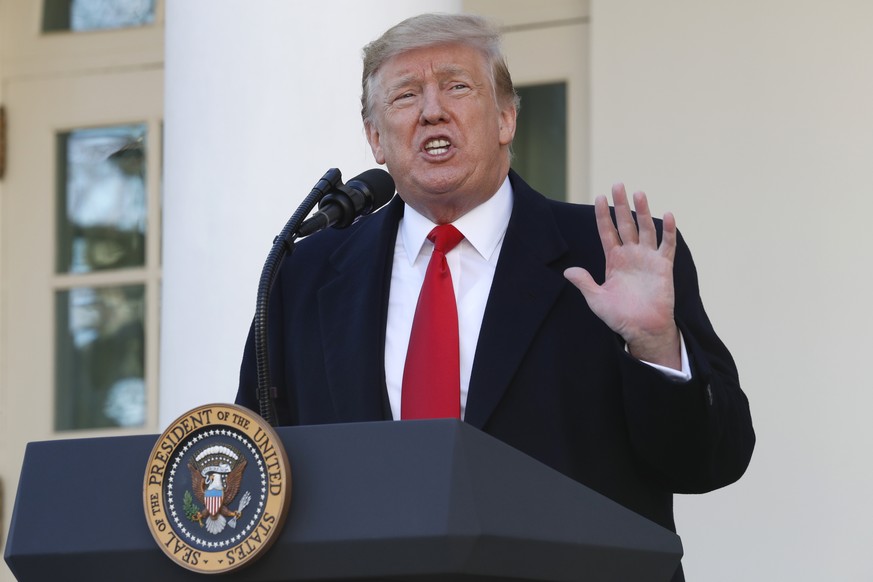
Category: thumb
<point>582,279</point>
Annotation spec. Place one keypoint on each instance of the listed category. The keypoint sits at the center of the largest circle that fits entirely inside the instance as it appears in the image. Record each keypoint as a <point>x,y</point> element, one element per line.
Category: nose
<point>432,107</point>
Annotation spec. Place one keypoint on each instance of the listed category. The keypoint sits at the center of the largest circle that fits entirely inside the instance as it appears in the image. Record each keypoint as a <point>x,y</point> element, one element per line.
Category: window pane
<point>102,199</point>
<point>540,144</point>
<point>100,356</point>
<point>81,15</point>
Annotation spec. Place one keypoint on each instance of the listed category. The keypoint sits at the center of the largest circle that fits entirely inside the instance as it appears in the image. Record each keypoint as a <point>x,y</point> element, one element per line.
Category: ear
<point>506,123</point>
<point>374,139</point>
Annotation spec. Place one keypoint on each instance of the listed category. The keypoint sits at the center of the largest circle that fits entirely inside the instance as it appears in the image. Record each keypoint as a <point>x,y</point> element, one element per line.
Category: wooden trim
<point>2,141</point>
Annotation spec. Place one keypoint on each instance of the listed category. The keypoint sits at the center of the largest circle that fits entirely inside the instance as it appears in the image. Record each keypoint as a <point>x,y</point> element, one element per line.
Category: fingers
<point>626,230</point>
<point>605,228</point>
<point>668,241</point>
<point>581,279</point>
<point>648,236</point>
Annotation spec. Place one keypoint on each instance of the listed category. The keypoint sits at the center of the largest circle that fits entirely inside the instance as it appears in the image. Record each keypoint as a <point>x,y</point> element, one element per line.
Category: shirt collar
<point>483,227</point>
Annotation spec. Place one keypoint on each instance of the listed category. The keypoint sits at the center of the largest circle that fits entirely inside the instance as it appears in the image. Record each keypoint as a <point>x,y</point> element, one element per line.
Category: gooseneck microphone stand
<point>283,245</point>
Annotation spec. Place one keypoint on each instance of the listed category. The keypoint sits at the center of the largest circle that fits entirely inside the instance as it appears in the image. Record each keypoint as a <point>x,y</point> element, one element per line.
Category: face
<point>436,124</point>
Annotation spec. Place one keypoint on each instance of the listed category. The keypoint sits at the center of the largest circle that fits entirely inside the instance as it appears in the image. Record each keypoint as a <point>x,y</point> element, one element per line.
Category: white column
<point>261,99</point>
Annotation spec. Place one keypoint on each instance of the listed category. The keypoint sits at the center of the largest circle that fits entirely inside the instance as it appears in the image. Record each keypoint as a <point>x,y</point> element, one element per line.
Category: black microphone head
<point>376,185</point>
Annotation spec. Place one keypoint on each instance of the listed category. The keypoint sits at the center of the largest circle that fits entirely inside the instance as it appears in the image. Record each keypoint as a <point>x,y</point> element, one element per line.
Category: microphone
<point>359,196</point>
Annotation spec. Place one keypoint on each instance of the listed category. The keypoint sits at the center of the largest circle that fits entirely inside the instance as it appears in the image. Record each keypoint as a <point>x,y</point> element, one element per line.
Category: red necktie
<point>431,378</point>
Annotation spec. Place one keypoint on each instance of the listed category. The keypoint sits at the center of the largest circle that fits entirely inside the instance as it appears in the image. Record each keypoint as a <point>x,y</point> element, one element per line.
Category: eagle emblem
<point>216,474</point>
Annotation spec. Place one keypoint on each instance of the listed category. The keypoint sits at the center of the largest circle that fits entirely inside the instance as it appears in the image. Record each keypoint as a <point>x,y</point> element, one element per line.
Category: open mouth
<point>436,147</point>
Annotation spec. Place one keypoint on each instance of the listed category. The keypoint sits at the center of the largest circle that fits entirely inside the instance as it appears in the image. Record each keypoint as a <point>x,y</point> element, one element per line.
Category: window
<point>100,288</point>
<point>540,144</point>
<point>84,15</point>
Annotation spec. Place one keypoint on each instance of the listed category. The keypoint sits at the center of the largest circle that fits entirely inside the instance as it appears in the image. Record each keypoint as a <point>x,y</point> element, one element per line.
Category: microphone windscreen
<point>377,186</point>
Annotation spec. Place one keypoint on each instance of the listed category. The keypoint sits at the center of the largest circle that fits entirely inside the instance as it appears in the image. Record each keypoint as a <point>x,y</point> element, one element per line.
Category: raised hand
<point>636,298</point>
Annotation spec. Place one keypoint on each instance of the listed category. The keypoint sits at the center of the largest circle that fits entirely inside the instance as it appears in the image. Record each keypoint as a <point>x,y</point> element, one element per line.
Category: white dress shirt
<point>472,264</point>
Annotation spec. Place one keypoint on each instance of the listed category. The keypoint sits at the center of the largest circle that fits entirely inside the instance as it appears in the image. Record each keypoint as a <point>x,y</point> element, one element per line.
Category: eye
<point>404,95</point>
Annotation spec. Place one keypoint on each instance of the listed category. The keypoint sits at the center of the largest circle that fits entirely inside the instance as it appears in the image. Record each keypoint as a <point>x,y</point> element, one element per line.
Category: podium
<point>427,500</point>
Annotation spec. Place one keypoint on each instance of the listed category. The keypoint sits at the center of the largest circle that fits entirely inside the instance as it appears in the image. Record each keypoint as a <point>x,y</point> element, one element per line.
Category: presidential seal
<point>217,488</point>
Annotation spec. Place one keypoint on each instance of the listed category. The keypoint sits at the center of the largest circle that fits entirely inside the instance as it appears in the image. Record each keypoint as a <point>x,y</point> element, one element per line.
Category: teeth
<point>437,146</point>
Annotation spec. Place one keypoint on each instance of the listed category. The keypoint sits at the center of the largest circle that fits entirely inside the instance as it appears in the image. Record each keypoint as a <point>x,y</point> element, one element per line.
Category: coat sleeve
<point>692,436</point>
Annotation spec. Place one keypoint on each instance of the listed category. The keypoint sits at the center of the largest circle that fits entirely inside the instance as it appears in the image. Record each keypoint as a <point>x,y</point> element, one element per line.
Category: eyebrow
<point>402,82</point>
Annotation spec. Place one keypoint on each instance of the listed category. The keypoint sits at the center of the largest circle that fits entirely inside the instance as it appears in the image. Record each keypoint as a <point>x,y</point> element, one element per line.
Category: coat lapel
<point>523,292</point>
<point>352,311</point>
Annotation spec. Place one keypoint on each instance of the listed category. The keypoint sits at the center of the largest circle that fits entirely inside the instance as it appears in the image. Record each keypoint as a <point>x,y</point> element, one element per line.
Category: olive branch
<point>189,506</point>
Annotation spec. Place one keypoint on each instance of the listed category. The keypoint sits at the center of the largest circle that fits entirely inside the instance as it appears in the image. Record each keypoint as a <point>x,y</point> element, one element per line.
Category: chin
<point>439,182</point>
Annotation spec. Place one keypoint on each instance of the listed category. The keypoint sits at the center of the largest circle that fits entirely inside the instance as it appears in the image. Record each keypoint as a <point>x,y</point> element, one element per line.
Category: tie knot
<point>445,237</point>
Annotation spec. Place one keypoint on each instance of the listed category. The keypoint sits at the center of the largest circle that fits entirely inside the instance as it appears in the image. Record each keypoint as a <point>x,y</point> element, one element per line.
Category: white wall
<point>752,120</point>
<point>261,99</point>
